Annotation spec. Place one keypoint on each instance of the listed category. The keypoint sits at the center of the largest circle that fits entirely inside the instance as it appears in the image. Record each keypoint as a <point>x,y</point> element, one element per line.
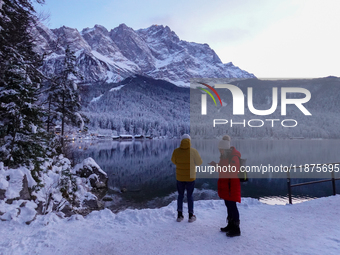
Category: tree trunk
<point>63,122</point>
<point>49,114</point>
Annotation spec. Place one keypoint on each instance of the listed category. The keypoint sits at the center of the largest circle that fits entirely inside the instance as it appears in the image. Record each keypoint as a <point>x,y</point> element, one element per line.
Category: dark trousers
<point>189,187</point>
<point>232,210</point>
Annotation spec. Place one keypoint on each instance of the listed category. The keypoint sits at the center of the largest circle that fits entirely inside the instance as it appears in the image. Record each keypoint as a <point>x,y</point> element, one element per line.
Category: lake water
<point>141,174</point>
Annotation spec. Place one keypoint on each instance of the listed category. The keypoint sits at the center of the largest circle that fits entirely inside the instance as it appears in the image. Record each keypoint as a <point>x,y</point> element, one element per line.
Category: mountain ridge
<point>114,55</point>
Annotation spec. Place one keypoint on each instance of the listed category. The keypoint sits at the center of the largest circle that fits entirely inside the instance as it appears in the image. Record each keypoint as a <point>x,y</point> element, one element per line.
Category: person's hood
<point>185,143</point>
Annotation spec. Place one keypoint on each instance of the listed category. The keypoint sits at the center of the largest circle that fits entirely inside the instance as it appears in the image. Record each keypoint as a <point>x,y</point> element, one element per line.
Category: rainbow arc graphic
<point>208,92</point>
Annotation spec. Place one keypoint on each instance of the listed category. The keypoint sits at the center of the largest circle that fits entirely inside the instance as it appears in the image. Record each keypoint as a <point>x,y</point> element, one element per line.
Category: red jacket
<point>228,185</point>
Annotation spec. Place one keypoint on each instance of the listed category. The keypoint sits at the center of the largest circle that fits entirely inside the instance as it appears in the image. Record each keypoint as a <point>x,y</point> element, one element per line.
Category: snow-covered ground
<point>311,227</point>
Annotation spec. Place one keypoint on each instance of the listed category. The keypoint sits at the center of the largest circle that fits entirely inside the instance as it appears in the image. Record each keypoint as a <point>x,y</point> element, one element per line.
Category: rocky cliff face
<point>156,51</point>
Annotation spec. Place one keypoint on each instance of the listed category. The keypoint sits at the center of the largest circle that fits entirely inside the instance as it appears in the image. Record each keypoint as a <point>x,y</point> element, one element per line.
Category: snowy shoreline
<point>305,228</point>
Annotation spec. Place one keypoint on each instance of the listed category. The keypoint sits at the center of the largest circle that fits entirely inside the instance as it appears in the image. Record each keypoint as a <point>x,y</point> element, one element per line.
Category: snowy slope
<point>141,99</point>
<point>306,228</point>
<point>111,56</point>
<point>140,105</point>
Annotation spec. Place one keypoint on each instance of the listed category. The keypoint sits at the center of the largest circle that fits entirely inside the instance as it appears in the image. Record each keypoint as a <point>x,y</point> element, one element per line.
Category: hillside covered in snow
<point>138,105</point>
<point>143,105</point>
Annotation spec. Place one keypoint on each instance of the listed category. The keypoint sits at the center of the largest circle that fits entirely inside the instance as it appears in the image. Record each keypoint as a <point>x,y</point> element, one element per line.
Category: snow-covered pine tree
<point>22,137</point>
<point>64,93</point>
<point>51,114</point>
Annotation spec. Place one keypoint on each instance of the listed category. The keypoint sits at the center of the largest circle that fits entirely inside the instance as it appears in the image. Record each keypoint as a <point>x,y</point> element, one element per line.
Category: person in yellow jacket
<point>186,158</point>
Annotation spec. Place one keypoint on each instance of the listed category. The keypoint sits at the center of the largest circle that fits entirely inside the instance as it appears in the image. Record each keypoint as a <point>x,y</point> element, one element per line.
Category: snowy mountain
<point>111,56</point>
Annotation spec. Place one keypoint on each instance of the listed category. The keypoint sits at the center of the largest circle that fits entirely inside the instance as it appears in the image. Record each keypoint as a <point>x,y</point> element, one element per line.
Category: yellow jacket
<point>186,158</point>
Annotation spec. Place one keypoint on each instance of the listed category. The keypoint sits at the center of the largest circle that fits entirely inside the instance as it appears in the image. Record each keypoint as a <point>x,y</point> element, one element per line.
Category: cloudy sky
<point>270,38</point>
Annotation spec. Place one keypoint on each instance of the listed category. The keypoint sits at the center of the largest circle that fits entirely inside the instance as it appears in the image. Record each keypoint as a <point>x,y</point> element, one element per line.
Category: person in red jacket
<point>228,185</point>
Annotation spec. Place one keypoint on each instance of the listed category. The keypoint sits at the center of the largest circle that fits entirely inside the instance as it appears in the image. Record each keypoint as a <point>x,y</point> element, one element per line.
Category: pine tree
<point>22,137</point>
<point>64,96</point>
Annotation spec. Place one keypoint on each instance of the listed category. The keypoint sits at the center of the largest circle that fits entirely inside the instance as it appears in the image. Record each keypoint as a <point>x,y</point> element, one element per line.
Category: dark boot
<point>235,229</point>
<point>228,227</point>
<point>180,217</point>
